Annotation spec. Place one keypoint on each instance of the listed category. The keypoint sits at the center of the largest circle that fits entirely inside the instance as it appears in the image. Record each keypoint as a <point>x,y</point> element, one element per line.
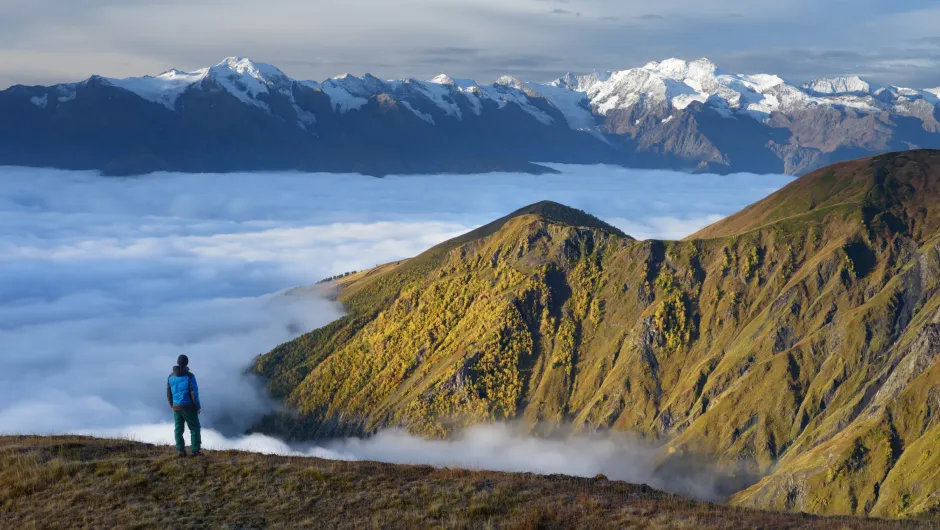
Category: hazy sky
<point>889,41</point>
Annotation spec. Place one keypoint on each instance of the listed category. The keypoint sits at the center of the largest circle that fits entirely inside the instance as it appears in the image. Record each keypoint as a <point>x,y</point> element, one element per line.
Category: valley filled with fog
<point>104,281</point>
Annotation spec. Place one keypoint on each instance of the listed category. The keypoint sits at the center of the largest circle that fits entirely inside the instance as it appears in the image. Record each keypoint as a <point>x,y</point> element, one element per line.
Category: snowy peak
<point>671,113</point>
<point>582,83</point>
<point>247,80</point>
<point>444,79</point>
<point>241,77</point>
<point>570,81</point>
<point>680,70</point>
<point>838,86</point>
<point>365,86</point>
<point>583,100</point>
<point>510,81</point>
<point>174,75</point>
<point>240,67</point>
<point>700,75</point>
<point>163,89</point>
<point>678,84</point>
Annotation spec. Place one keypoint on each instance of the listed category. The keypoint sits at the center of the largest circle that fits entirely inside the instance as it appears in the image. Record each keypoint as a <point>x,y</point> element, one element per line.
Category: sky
<point>107,280</point>
<point>50,41</point>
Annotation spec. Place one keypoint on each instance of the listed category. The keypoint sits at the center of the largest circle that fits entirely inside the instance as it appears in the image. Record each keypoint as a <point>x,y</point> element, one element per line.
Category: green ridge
<point>792,344</point>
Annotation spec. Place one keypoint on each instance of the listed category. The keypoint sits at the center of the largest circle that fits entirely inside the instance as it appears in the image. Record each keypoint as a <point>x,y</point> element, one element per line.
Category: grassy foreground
<point>68,482</point>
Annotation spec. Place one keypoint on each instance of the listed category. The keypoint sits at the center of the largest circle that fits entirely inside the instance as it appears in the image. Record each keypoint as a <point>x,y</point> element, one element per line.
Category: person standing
<point>183,394</point>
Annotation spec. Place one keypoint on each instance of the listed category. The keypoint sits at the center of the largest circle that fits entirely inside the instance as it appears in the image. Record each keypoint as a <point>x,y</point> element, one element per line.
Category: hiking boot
<point>181,454</point>
<point>198,453</point>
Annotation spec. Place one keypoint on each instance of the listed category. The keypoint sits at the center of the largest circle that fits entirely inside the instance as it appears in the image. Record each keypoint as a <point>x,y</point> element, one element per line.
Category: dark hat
<point>182,360</point>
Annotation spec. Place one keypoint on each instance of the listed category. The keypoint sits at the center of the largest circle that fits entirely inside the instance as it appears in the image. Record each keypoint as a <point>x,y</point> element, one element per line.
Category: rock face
<point>795,342</point>
<point>244,116</point>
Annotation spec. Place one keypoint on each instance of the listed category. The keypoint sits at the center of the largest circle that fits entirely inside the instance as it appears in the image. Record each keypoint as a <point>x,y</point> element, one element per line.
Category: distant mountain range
<point>244,116</point>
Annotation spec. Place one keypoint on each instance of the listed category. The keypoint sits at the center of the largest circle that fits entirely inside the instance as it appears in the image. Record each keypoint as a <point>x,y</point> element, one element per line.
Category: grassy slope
<point>790,340</point>
<point>900,184</point>
<point>73,482</point>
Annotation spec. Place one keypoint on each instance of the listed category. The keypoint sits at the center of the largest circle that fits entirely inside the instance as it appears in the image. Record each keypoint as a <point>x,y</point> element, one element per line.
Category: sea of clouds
<point>104,281</point>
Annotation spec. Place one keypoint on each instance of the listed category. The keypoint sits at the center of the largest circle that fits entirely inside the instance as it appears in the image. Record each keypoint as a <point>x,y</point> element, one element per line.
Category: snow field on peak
<point>838,85</point>
<point>341,100</point>
<point>656,86</point>
<point>675,83</point>
<point>426,117</point>
<point>444,79</point>
<point>164,89</point>
<point>504,95</point>
<point>240,77</point>
<point>440,95</point>
<point>247,80</point>
<point>572,105</point>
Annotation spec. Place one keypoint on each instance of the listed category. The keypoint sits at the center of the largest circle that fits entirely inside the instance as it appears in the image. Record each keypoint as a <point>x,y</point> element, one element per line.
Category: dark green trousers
<point>182,418</point>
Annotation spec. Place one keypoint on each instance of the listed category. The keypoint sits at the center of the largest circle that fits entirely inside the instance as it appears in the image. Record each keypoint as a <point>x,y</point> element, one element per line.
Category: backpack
<point>179,387</point>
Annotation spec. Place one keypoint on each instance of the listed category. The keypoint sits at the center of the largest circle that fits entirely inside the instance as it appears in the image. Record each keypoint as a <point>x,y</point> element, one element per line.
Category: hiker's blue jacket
<point>181,389</point>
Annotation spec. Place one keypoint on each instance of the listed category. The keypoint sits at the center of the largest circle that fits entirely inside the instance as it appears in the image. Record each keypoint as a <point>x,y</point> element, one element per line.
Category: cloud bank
<point>107,280</point>
<point>46,41</point>
<point>496,447</point>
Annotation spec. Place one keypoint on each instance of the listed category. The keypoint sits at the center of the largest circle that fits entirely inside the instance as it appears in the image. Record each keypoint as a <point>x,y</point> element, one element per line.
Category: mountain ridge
<point>245,116</point>
<point>683,343</point>
<point>895,184</point>
<point>550,211</point>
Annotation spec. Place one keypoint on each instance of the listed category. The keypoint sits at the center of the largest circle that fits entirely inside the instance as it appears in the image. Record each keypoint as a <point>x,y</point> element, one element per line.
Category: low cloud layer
<point>497,447</point>
<point>106,281</point>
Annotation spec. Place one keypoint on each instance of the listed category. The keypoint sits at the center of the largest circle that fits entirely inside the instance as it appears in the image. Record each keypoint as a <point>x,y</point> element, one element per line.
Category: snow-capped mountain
<point>676,84</point>
<point>240,114</point>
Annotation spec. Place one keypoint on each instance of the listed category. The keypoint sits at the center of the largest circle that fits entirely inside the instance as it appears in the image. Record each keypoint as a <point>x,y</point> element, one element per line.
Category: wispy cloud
<point>62,40</point>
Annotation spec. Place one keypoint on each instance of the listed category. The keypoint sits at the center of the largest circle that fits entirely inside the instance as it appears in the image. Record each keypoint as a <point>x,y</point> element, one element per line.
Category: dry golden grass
<point>795,340</point>
<point>77,482</point>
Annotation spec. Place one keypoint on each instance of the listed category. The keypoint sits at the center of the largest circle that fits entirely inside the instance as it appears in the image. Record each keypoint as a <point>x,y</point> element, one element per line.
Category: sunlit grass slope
<point>795,341</point>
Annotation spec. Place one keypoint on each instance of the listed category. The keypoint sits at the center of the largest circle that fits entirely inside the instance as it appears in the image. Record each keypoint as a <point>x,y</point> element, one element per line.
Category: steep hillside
<point>899,190</point>
<point>69,482</point>
<point>795,343</point>
<point>244,116</point>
